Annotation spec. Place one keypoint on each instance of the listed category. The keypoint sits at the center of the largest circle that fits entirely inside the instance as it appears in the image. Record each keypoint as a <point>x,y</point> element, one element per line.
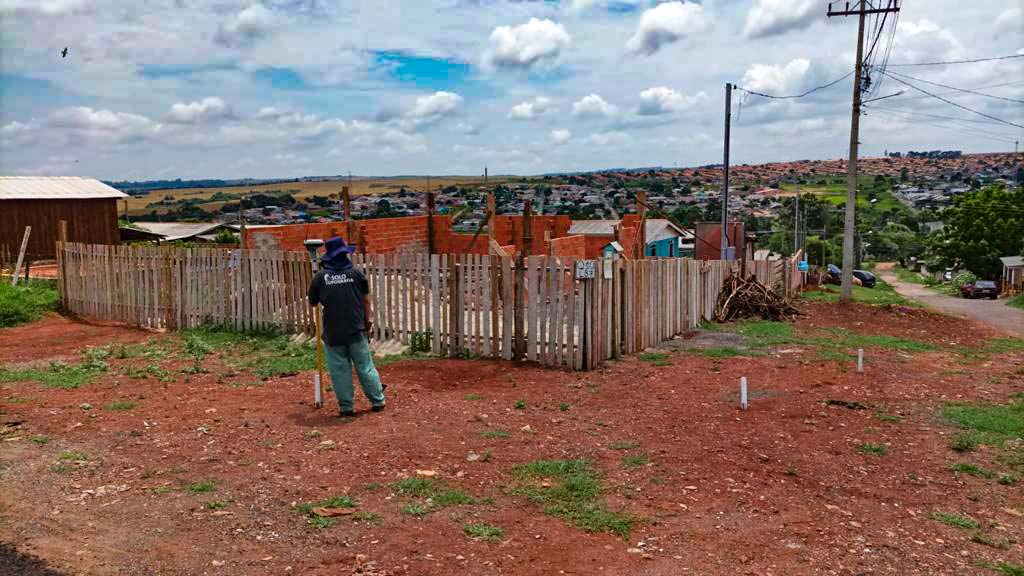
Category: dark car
<point>980,289</point>
<point>835,275</point>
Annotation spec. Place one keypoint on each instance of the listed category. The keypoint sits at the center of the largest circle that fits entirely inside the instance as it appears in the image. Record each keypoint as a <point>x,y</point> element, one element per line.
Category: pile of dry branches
<point>748,299</point>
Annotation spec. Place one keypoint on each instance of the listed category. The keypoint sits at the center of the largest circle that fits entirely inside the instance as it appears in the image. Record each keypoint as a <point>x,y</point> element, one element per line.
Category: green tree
<point>982,226</point>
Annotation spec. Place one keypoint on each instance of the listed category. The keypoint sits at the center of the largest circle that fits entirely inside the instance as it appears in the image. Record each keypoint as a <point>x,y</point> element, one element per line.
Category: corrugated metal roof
<point>54,188</point>
<point>652,227</point>
<point>179,230</point>
<point>1013,261</point>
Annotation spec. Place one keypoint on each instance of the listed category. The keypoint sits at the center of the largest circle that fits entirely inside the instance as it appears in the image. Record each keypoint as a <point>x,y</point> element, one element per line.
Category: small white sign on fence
<point>585,269</point>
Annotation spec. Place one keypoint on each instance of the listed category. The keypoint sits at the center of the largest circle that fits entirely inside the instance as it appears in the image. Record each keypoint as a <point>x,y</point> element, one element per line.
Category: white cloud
<point>41,7</point>
<point>776,80</point>
<point>924,41</point>
<point>531,110</point>
<point>204,111</point>
<point>246,26</point>
<point>772,17</point>
<point>1011,21</point>
<point>592,106</point>
<point>103,125</point>
<point>434,107</point>
<point>663,100</point>
<point>560,136</point>
<point>667,23</point>
<point>536,43</point>
<point>613,138</point>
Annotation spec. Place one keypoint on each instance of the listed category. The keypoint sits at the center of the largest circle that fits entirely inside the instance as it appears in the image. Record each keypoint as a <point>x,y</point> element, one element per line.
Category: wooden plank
<point>21,255</point>
<point>435,302</point>
<point>559,314</point>
<point>531,308</point>
<point>487,305</point>
<point>508,307</point>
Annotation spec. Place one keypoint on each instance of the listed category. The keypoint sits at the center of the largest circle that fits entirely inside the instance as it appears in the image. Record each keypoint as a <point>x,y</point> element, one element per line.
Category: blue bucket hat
<point>336,247</point>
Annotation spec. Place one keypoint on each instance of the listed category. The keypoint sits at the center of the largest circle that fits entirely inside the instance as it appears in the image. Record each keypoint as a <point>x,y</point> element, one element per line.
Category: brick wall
<point>569,247</point>
<point>371,236</point>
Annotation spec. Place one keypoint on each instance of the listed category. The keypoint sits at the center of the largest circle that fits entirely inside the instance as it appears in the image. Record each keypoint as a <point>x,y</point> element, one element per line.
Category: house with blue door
<point>664,239</point>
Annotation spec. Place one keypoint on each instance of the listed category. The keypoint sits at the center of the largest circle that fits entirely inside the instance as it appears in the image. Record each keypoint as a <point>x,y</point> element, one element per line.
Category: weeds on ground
<point>332,502</point>
<point>991,424</point>
<point>884,417</point>
<point>483,532</point>
<point>1017,301</point>
<point>57,374</point>
<point>719,352</point>
<point>571,490</point>
<point>40,439</point>
<point>215,505</point>
<point>1006,568</point>
<point>120,406</point>
<point>435,495</point>
<point>498,433</point>
<point>634,460</point>
<point>655,358</point>
<point>564,406</point>
<point>881,295</point>
<point>201,487</point>
<point>964,442</point>
<point>520,405</point>
<point>972,470</point>
<point>264,353</point>
<point>873,449</point>
<point>474,397</point>
<point>366,516</point>
<point>626,445</point>
<point>955,520</point>
<point>27,302</point>
<point>993,347</point>
<point>74,456</point>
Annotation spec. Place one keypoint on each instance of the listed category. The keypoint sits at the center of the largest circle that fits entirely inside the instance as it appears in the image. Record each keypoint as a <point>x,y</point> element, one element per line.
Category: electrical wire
<point>792,96</point>
<point>950,102</point>
<point>966,90</point>
<point>959,119</point>
<point>1007,139</point>
<point>971,61</point>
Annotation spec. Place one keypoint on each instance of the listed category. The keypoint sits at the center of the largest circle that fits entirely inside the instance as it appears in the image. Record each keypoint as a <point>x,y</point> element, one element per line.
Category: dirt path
<point>995,313</point>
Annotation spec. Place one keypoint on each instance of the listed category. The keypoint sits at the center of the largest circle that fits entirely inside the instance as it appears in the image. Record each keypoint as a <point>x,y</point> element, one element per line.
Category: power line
<point>950,102</point>
<point>971,61</point>
<point>807,93</point>
<point>968,91</point>
<point>958,129</point>
<point>957,118</point>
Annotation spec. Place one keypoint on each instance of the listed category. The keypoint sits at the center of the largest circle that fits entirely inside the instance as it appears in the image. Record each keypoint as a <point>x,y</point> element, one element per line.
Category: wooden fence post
<point>21,255</point>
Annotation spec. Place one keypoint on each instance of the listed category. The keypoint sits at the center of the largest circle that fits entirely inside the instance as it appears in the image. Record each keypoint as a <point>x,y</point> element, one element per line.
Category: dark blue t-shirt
<point>341,293</point>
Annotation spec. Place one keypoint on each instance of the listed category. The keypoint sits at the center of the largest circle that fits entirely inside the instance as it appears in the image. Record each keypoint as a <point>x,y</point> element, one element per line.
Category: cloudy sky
<point>283,88</point>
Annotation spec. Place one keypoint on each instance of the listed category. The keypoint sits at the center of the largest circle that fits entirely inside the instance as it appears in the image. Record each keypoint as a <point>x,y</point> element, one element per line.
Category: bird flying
<point>64,52</point>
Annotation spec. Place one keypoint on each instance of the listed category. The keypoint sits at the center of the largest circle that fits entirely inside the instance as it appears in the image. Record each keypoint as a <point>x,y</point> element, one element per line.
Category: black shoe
<point>378,408</point>
<point>346,413</point>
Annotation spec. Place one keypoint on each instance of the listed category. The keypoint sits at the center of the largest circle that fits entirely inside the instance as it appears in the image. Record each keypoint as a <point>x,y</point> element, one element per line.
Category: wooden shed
<point>88,205</point>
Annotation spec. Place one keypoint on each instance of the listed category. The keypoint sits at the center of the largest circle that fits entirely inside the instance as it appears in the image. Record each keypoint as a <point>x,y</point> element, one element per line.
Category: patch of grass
<point>848,339</point>
<point>313,434</point>
<point>1007,568</point>
<point>634,460</point>
<point>520,405</point>
<point>498,433</point>
<point>73,456</point>
<point>40,439</point>
<point>445,498</point>
<point>373,486</point>
<point>653,357</point>
<point>955,520</point>
<point>415,509</point>
<point>1007,480</point>
<point>56,375</point>
<point>60,468</point>
<point>483,532</point>
<point>26,302</point>
<point>120,406</point>
<point>570,489</point>
<point>990,424</point>
<point>979,537</point>
<point>883,417</point>
<point>414,486</point>
<point>201,487</point>
<point>366,516</point>
<point>995,346</point>
<point>266,354</point>
<point>719,352</point>
<point>791,471</point>
<point>474,397</point>
<point>626,445</point>
<point>1017,301</point>
<point>972,470</point>
<point>964,442</point>
<point>910,276</point>
<point>873,449</point>
<point>881,295</point>
<point>333,502</point>
<point>162,489</point>
<point>564,406</point>
<point>320,522</point>
<point>765,333</point>
<point>215,505</point>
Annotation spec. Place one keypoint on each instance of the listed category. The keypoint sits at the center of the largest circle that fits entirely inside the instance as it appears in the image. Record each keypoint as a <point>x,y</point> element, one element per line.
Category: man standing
<point>342,290</point>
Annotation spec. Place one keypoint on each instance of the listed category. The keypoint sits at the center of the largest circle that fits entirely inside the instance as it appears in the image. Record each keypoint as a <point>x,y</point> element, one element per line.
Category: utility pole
<point>725,174</point>
<point>861,8</point>
<point>796,223</point>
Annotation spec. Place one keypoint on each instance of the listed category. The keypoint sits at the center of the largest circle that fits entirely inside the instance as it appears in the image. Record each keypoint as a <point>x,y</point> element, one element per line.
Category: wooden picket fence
<point>459,305</point>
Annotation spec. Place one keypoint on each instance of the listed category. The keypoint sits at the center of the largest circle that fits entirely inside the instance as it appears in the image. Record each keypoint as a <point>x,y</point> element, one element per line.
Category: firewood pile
<point>749,298</point>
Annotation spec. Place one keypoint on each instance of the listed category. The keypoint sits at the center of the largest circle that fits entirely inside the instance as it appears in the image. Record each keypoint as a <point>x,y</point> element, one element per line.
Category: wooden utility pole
<point>430,223</point>
<point>796,222</point>
<point>641,232</point>
<point>861,8</point>
<point>492,216</point>
<point>346,207</point>
<point>724,198</point>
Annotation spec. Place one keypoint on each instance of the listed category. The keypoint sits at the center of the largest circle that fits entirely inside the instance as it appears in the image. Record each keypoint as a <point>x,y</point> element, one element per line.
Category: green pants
<point>340,361</point>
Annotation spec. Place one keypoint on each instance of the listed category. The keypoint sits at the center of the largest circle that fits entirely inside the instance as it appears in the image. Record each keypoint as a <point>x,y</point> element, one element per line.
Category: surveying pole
<point>861,8</point>
<point>313,247</point>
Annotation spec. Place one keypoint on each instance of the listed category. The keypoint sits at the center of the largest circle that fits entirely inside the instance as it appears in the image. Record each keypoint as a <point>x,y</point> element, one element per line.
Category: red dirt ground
<point>779,489</point>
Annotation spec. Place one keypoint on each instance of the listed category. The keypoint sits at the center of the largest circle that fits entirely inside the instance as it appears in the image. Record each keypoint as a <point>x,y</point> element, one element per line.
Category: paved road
<point>992,312</point>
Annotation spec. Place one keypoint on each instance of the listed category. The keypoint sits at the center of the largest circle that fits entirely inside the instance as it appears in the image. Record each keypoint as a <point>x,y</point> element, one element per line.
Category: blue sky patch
<point>178,70</point>
<point>280,78</point>
<point>424,72</point>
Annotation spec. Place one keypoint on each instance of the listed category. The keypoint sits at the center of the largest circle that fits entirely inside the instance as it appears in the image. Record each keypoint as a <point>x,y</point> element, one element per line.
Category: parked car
<point>980,289</point>
<point>835,276</point>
